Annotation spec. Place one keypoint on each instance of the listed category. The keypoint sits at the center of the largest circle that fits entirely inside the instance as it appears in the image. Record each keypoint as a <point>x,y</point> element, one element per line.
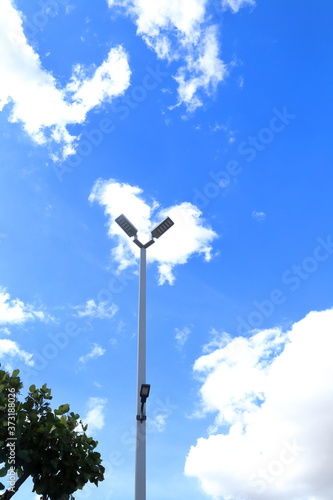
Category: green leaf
<point>54,464</point>
<point>62,409</point>
<point>32,388</point>
<point>24,454</point>
<point>3,472</point>
<point>15,373</point>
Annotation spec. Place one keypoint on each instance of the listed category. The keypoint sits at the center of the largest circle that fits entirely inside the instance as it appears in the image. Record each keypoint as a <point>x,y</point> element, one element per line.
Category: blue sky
<point>217,114</point>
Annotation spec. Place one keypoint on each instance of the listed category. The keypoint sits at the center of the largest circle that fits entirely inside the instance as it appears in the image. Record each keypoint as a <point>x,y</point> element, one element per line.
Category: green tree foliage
<point>49,445</point>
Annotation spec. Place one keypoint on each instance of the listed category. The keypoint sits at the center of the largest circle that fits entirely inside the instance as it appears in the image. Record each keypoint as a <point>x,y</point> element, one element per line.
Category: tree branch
<point>9,493</point>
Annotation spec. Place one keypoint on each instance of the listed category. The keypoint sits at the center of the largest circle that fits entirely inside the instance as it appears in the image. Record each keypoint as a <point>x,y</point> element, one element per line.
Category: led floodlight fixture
<point>126,225</point>
<point>162,227</point>
<point>144,392</point>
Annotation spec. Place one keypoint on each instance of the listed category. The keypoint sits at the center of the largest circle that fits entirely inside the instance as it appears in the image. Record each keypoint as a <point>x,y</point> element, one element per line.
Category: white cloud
<point>259,216</point>
<point>182,336</point>
<point>10,350</point>
<point>217,341</point>
<point>230,134</point>
<point>94,310</point>
<point>34,96</point>
<point>178,31</point>
<point>272,394</point>
<point>203,70</point>
<point>14,311</point>
<point>241,82</point>
<point>95,418</point>
<point>235,5</point>
<point>189,235</point>
<point>157,423</point>
<point>4,331</point>
<point>159,413</point>
<point>96,352</point>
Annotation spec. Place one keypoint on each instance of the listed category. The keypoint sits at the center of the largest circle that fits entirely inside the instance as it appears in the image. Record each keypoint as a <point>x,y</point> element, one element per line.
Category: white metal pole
<point>140,453</point>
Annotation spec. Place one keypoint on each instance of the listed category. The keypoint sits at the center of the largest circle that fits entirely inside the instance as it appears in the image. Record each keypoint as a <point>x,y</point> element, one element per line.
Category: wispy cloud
<point>93,310</point>
<point>181,336</point>
<point>14,311</point>
<point>179,31</point>
<point>34,97</point>
<point>182,32</point>
<point>159,413</point>
<point>95,418</point>
<point>204,70</point>
<point>273,392</point>
<point>157,423</point>
<point>4,331</point>
<point>235,5</point>
<point>230,134</point>
<point>10,351</point>
<point>96,352</point>
<point>190,234</point>
<point>259,216</point>
<point>217,341</point>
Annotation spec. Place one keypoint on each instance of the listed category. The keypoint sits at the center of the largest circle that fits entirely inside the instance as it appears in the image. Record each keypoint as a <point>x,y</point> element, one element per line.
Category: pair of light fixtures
<point>132,231</point>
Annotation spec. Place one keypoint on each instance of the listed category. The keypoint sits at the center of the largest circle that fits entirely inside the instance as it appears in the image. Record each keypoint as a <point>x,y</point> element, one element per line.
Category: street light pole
<point>142,387</point>
<point>140,450</point>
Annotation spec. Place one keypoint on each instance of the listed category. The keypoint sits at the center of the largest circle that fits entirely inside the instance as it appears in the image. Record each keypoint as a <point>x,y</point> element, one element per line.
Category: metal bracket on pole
<point>140,245</point>
<point>137,242</point>
<point>142,417</point>
<point>149,243</point>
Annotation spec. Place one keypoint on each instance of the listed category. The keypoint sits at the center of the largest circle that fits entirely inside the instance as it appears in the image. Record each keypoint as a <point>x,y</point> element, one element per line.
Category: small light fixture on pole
<point>143,389</point>
<point>144,394</point>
